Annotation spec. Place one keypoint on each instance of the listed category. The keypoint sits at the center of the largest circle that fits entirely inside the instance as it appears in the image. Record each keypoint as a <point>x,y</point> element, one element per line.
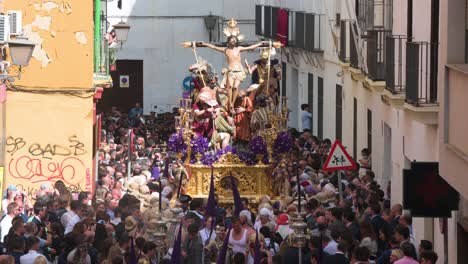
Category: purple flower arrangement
<point>176,143</point>
<point>225,150</point>
<point>208,158</point>
<point>258,146</point>
<point>199,144</point>
<point>283,143</point>
<point>248,157</point>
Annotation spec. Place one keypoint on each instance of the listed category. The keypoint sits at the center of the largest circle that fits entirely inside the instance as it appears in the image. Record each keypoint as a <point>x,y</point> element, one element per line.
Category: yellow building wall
<point>63,32</point>
<point>49,137</point>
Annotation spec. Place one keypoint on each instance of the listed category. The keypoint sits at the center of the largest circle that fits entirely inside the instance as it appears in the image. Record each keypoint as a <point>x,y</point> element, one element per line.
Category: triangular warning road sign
<point>339,159</point>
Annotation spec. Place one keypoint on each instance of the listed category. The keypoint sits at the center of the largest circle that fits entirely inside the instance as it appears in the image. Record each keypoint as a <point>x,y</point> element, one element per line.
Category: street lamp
<point>210,23</point>
<point>121,31</point>
<point>21,50</point>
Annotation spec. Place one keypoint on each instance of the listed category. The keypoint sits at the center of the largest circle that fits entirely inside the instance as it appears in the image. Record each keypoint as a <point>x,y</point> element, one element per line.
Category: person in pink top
<point>409,253</point>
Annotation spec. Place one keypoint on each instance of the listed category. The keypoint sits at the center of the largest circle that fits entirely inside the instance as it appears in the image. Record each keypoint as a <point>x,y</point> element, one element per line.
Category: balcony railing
<point>395,70</point>
<point>305,30</point>
<point>421,73</point>
<point>353,49</point>
<point>376,54</point>
<point>345,36</point>
<point>375,14</point>
<point>313,29</point>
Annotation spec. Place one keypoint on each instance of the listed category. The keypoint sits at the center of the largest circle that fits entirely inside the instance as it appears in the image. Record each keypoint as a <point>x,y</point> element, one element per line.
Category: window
<point>283,79</point>
<point>409,21</point>
<point>320,108</point>
<point>355,128</point>
<point>339,113</point>
<point>369,130</point>
<point>310,36</point>
<point>258,20</point>
<point>292,29</point>
<point>267,29</point>
<point>310,95</point>
<point>274,22</point>
<point>300,32</point>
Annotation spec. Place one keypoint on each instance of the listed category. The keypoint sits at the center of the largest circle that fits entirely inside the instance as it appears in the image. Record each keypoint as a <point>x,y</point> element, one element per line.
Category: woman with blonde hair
<point>40,260</point>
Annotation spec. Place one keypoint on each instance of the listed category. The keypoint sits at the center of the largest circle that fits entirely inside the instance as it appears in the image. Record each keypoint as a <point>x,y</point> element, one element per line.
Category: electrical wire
<point>70,91</point>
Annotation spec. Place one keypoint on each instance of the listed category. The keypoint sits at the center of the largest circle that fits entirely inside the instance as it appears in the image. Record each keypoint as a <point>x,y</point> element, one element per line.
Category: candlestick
<point>180,102</point>
<point>160,191</point>
<point>298,188</point>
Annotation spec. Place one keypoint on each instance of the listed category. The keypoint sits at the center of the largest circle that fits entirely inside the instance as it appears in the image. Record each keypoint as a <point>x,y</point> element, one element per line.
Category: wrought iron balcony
<point>305,30</point>
<point>395,54</point>
<point>376,40</point>
<point>353,48</point>
<point>375,14</point>
<point>421,73</point>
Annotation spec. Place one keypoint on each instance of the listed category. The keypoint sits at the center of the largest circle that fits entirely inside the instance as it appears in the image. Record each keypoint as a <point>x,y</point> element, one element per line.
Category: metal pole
<point>97,34</point>
<point>298,188</point>
<point>300,255</point>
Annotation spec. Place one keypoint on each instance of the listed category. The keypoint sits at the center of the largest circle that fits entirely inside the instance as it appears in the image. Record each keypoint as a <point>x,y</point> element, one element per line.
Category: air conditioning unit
<point>4,28</point>
<point>16,22</point>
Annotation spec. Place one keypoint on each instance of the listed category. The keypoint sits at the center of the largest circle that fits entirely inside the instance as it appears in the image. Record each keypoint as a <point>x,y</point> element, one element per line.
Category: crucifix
<point>232,50</point>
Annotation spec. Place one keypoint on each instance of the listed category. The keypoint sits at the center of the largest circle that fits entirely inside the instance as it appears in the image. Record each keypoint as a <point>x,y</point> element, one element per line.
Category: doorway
<point>127,87</point>
<point>387,157</point>
<point>293,100</point>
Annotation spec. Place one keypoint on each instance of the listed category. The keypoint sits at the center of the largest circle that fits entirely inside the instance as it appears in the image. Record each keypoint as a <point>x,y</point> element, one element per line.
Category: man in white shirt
<point>332,246</point>
<point>70,218</point>
<point>5,224</point>
<point>32,243</point>
<point>207,234</point>
<point>306,117</point>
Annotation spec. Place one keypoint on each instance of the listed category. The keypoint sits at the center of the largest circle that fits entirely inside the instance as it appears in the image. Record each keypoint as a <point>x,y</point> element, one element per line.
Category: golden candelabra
<point>278,118</point>
<point>184,122</point>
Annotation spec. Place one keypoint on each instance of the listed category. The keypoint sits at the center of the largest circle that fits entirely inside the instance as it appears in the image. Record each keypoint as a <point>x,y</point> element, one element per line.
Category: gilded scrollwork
<point>252,181</point>
<point>228,159</point>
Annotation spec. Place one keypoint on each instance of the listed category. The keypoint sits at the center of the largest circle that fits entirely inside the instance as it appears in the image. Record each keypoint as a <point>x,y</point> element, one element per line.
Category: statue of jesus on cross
<point>236,72</point>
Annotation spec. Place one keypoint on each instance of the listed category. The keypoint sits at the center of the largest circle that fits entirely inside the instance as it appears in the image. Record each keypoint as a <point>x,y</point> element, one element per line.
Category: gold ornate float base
<point>252,181</point>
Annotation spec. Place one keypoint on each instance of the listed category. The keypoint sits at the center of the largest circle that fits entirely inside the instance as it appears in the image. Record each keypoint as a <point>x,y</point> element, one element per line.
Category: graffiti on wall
<point>41,162</point>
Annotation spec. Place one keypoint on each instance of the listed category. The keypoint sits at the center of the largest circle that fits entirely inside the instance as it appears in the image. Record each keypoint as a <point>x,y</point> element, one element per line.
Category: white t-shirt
<point>5,226</point>
<point>205,234</point>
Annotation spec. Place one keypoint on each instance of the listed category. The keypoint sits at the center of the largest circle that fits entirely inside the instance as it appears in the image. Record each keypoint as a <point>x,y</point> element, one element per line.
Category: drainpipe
<point>97,35</point>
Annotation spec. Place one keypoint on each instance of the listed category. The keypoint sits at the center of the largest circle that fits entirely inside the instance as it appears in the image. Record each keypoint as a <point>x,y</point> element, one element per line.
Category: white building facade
<point>378,91</point>
<point>157,29</point>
